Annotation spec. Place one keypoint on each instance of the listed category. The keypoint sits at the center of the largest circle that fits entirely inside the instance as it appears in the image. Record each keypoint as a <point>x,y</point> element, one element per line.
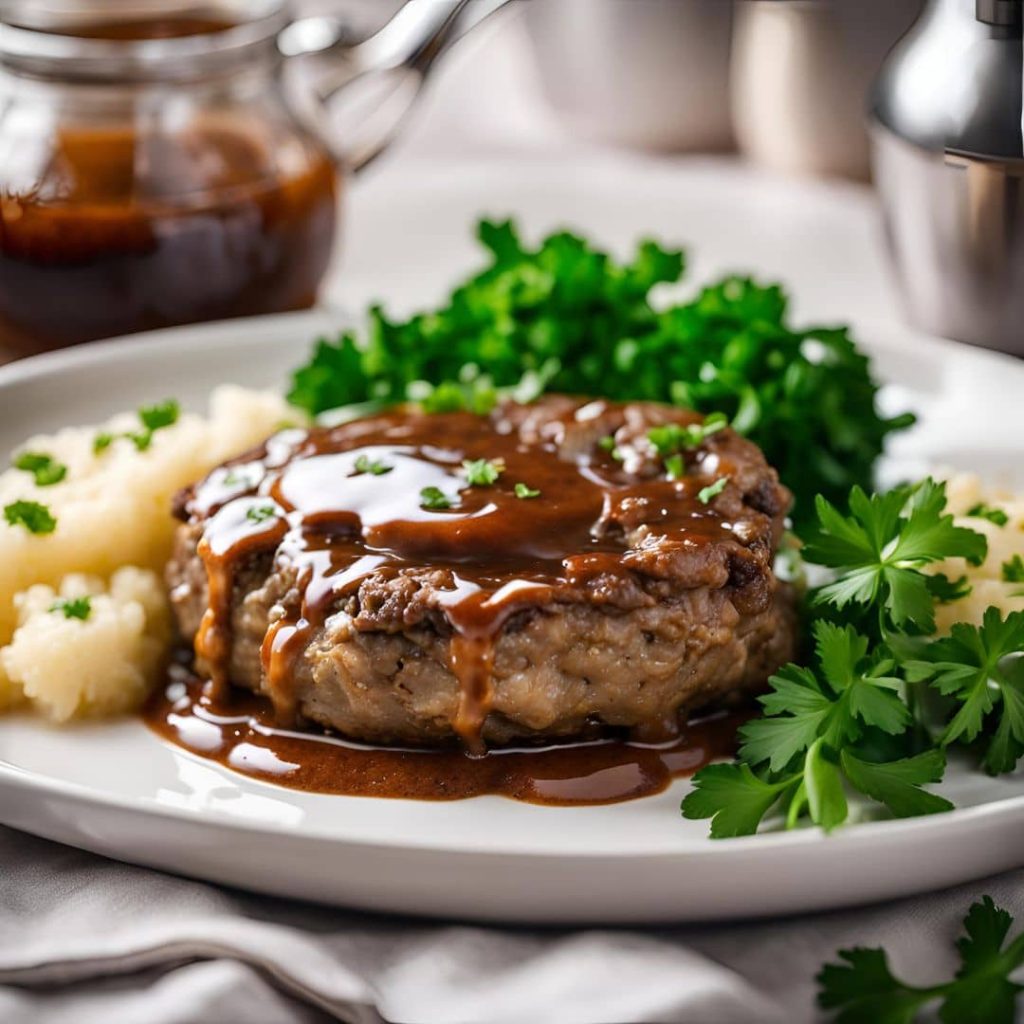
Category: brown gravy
<point>119,231</point>
<point>312,501</point>
<point>240,733</point>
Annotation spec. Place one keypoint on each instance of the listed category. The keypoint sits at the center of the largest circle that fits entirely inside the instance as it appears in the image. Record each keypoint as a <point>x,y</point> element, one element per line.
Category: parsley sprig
<point>33,516</point>
<point>862,989</point>
<point>565,316</point>
<point>818,736</point>
<point>73,607</point>
<point>880,548</point>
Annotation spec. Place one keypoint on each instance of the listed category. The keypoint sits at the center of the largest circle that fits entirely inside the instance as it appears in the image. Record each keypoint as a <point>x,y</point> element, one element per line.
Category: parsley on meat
<point>375,467</point>
<point>982,670</point>
<point>706,494</point>
<point>880,547</point>
<point>73,607</point>
<point>45,470</point>
<point>434,498</point>
<point>260,513</point>
<point>567,317</point>
<point>483,472</point>
<point>34,517</point>
<point>862,989</point>
<point>820,734</point>
<point>523,491</point>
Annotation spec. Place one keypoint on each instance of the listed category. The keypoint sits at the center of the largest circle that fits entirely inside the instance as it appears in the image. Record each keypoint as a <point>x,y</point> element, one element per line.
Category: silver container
<point>801,72</point>
<point>949,165</point>
<point>647,73</point>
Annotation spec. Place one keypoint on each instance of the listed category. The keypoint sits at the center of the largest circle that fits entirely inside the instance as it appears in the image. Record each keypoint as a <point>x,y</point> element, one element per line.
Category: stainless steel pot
<point>646,73</point>
<point>949,164</point>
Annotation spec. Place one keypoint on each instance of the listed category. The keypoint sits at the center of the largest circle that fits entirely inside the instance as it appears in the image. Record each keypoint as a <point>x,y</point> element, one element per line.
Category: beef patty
<point>609,565</point>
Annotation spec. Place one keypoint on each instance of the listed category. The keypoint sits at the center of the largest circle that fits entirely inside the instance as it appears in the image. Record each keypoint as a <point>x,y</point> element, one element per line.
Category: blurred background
<point>157,166</point>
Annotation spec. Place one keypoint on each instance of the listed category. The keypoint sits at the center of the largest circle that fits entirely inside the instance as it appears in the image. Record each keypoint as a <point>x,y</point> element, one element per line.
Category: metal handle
<point>401,55</point>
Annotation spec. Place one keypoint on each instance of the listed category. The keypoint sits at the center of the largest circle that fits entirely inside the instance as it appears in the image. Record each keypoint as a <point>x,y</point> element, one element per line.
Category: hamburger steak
<point>543,571</point>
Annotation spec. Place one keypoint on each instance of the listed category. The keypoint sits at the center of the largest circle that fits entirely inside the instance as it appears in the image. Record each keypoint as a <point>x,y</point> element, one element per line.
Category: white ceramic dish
<point>118,790</point>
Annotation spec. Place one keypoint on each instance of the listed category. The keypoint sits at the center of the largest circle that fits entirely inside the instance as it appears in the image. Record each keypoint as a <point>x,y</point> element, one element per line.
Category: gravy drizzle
<point>337,504</point>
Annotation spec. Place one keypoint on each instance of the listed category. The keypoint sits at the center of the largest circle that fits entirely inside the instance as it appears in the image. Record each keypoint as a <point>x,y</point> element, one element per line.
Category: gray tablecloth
<point>84,939</point>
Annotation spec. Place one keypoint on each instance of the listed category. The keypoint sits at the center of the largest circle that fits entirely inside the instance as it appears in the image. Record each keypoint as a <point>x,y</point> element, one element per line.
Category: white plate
<point>118,790</point>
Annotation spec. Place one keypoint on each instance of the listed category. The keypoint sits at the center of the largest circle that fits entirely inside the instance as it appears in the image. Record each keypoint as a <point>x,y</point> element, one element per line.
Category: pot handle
<point>404,51</point>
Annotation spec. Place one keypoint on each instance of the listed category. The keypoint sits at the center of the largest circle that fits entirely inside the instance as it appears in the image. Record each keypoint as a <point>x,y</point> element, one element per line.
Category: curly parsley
<point>565,316</point>
<point>483,472</point>
<point>434,498</point>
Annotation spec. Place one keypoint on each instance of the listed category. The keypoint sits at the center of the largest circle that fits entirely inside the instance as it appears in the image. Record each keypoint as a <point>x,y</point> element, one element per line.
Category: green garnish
<point>973,666</point>
<point>152,418</point>
<point>675,467</point>
<point>993,515</point>
<point>261,513</point>
<point>1013,570</point>
<point>73,607</point>
<point>880,547</point>
<point>156,417</point>
<point>434,498</point>
<point>607,443</point>
<point>567,317</point>
<point>376,467</point>
<point>672,437</point>
<point>817,738</point>
<point>483,472</point>
<point>862,989</point>
<point>706,494</point>
<point>522,491</point>
<point>44,468</point>
<point>34,517</point>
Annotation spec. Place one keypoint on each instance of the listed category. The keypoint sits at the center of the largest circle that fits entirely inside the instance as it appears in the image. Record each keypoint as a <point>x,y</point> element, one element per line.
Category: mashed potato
<point>966,491</point>
<point>112,510</point>
<point>103,664</point>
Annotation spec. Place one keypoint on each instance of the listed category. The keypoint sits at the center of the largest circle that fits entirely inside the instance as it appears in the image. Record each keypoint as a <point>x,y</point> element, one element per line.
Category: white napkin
<point>84,940</point>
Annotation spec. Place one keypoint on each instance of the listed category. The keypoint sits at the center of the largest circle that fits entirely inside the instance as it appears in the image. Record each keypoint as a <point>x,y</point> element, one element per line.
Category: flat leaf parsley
<point>862,989</point>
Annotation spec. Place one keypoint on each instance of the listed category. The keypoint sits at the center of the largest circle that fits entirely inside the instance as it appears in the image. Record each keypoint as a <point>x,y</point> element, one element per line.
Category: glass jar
<point>152,174</point>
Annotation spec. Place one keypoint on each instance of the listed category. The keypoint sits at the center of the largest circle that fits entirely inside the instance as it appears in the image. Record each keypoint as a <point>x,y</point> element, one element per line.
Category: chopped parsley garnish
<point>261,513</point>
<point>564,316</point>
<point>45,470</point>
<point>523,491</point>
<point>706,494</point>
<point>993,515</point>
<point>434,498</point>
<point>34,517</point>
<point>483,472</point>
<point>607,443</point>
<point>1013,570</point>
<point>156,417</point>
<point>152,418</point>
<point>880,547</point>
<point>675,467</point>
<point>862,989</point>
<point>236,477</point>
<point>375,467</point>
<point>73,607</point>
<point>670,438</point>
